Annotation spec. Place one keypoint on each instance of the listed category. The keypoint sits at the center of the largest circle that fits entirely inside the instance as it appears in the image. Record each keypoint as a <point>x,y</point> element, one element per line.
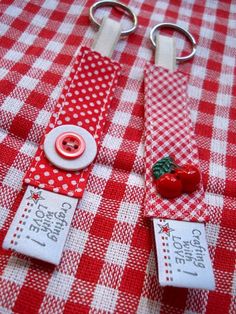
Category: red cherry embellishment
<point>169,185</point>
<point>190,177</point>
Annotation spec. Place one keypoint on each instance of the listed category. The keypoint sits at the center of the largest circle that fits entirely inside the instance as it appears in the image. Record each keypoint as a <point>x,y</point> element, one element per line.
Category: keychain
<point>59,172</point>
<point>174,190</point>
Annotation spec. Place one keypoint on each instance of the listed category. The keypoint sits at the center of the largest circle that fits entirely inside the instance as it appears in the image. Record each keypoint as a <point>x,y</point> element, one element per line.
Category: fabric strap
<point>107,37</point>
<point>165,52</point>
<point>168,131</point>
<point>84,102</point>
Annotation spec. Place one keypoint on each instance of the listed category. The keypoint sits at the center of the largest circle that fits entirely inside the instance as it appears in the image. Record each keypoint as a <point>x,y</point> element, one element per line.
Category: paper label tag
<point>182,253</point>
<point>41,224</point>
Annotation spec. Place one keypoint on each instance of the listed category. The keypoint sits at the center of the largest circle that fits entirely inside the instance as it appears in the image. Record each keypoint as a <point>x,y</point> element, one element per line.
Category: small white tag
<point>182,253</point>
<point>41,224</point>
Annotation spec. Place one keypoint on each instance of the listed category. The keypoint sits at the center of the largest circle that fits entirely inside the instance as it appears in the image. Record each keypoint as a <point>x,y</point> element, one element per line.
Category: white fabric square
<point>56,93</point>
<point>204,53</point>
<point>121,118</point>
<point>217,170</point>
<point>13,11</point>
<point>135,73</point>
<point>163,5</point>
<point>199,71</point>
<point>75,9</point>
<point>221,123</point>
<point>3,135</point>
<point>13,55</point>
<point>185,11</point>
<point>151,266</point>
<point>226,78</point>
<point>28,82</point>
<point>3,72</point>
<point>76,240</point>
<point>136,179</point>
<point>128,213</point>
<point>65,28</point>
<point>209,18</point>
<point>16,270</point>
<point>223,99</point>
<point>39,20</point>
<point>3,28</point>
<point>129,96</point>
<point>50,4</point>
<point>102,171</point>
<point>112,142</point>
<point>207,33</point>
<point>54,46</point>
<point>153,307</point>
<point>42,64</point>
<point>105,298</point>
<point>230,41</point>
<point>212,232</point>
<point>193,115</point>
<point>3,215</point>
<point>214,199</point>
<point>218,146</point>
<point>194,92</point>
<point>12,105</point>
<point>117,253</point>
<point>14,178</point>
<point>140,151</point>
<point>60,285</point>
<point>90,202</point>
<point>27,38</point>
<point>28,148</point>
<point>43,117</point>
<point>228,60</point>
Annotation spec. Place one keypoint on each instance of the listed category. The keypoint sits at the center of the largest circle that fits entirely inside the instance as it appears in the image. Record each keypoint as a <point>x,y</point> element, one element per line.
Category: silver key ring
<point>181,30</point>
<point>124,8</point>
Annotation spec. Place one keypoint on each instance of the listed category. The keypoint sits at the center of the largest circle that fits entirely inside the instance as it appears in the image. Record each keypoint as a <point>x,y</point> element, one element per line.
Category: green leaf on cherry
<point>162,166</point>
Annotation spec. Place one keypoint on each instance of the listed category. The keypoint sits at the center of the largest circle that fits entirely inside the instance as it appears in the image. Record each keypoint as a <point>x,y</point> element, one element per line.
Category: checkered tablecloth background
<point>108,265</point>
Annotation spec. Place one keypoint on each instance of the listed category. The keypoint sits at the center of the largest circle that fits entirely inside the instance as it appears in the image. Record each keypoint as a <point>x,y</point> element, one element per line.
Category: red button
<point>70,145</point>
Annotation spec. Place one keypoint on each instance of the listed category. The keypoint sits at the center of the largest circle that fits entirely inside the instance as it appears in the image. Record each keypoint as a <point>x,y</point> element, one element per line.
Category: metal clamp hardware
<point>120,5</point>
<point>181,30</point>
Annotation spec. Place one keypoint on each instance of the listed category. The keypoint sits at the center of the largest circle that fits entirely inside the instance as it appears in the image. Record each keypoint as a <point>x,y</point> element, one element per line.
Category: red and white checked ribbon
<point>169,132</point>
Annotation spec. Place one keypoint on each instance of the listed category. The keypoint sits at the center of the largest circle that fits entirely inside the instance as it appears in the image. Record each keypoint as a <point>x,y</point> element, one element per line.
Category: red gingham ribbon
<point>169,132</point>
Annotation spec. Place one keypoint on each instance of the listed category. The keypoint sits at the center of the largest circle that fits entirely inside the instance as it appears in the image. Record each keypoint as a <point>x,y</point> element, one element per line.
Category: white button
<point>64,163</point>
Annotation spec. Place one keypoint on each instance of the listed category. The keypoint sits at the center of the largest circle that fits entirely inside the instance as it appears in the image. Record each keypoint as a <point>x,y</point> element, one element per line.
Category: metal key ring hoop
<point>125,8</point>
<point>181,30</point>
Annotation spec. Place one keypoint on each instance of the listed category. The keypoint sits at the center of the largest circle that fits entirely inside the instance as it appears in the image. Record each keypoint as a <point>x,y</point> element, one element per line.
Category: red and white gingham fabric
<point>108,265</point>
<point>169,132</point>
<point>85,102</point>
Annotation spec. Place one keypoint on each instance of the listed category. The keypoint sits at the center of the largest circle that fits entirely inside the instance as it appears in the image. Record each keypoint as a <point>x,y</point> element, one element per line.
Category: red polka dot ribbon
<point>84,102</point>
